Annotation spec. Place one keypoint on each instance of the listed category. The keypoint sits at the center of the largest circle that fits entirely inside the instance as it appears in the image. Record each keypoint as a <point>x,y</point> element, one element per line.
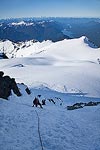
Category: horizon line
<point>8,18</point>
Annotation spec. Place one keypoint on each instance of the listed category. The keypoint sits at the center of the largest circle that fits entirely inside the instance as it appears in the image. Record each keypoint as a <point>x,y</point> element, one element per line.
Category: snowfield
<point>67,72</point>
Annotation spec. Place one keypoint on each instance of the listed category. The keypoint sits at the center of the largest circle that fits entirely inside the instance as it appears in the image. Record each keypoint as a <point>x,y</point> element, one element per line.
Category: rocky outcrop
<point>24,88</point>
<point>6,85</point>
<point>3,56</point>
<point>81,105</point>
<point>28,91</point>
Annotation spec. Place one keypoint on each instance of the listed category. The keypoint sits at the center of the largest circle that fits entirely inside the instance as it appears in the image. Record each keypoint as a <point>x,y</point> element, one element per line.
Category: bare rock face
<point>28,91</point>
<point>81,105</point>
<point>3,56</point>
<point>6,85</point>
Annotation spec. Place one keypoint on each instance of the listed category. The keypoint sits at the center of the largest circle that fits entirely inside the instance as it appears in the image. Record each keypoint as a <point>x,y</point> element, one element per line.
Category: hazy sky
<point>53,8</point>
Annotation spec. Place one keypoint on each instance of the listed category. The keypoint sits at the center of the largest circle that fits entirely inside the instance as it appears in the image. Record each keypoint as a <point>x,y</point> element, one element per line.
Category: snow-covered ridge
<point>19,49</point>
<point>22,23</point>
<point>10,48</point>
<point>30,23</point>
<point>61,51</point>
<point>88,42</point>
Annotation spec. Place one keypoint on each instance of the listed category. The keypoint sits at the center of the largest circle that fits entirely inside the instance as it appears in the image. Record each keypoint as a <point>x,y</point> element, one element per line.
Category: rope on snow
<point>39,130</point>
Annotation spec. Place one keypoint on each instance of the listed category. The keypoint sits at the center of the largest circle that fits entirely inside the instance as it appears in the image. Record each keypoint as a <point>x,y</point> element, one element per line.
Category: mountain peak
<point>21,23</point>
<point>88,42</point>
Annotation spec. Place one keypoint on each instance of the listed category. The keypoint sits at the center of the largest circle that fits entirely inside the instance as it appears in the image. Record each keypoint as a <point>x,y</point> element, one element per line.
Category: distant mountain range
<point>26,30</point>
<point>55,29</point>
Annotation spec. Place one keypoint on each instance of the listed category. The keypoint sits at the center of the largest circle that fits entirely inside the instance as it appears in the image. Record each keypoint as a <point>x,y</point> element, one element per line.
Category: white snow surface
<point>66,71</point>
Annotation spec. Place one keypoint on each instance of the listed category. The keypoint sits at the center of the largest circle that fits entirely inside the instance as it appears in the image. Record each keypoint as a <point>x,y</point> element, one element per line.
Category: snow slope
<point>59,128</point>
<point>66,71</point>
